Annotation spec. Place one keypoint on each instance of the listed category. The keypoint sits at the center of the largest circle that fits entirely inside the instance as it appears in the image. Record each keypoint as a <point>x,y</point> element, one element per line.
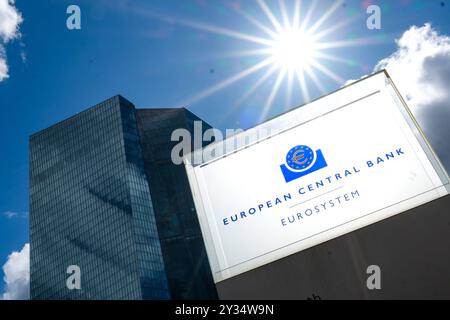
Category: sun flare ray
<point>331,57</point>
<point>305,23</point>
<point>297,10</point>
<point>315,79</point>
<point>325,16</point>
<point>290,84</point>
<point>286,22</point>
<point>202,26</point>
<point>335,27</point>
<point>262,4</point>
<point>251,90</point>
<point>256,85</point>
<point>291,48</point>
<point>350,43</point>
<point>256,22</point>
<point>272,95</point>
<point>328,72</point>
<point>303,87</point>
<point>244,53</point>
<point>227,82</point>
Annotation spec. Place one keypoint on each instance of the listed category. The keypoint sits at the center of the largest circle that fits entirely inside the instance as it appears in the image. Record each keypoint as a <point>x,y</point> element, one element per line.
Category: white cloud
<point>14,214</point>
<point>10,214</point>
<point>420,68</point>
<point>10,20</point>
<point>412,65</point>
<point>17,275</point>
<point>3,65</point>
<point>23,56</point>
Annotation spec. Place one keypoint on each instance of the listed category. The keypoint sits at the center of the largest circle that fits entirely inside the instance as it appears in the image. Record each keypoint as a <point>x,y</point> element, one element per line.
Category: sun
<point>293,50</point>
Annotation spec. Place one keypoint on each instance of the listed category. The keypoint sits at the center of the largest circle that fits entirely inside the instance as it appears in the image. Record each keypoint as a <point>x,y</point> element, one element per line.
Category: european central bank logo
<point>301,161</point>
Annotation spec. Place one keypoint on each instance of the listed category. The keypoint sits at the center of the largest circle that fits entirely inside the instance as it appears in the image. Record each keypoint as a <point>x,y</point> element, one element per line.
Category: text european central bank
<point>337,164</point>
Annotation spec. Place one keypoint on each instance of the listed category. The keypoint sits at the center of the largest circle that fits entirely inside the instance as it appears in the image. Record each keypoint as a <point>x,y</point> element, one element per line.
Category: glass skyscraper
<point>104,196</point>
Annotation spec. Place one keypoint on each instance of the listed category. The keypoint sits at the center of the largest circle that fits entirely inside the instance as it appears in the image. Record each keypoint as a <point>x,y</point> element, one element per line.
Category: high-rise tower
<point>102,200</point>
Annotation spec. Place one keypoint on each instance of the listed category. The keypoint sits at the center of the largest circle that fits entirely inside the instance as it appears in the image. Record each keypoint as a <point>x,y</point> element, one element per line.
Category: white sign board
<point>340,163</point>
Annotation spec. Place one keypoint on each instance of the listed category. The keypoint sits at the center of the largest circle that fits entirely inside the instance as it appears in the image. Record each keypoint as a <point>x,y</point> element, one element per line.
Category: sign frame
<point>374,84</point>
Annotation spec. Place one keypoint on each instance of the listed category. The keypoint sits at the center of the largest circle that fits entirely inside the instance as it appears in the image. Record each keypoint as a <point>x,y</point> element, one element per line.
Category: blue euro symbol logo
<point>301,161</point>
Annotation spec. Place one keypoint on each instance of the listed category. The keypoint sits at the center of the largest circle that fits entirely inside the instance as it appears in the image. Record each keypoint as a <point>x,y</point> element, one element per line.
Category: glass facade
<point>185,257</point>
<point>90,206</point>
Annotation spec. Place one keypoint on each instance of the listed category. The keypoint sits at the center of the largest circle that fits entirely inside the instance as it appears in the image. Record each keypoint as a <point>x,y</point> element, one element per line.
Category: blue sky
<point>156,55</point>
